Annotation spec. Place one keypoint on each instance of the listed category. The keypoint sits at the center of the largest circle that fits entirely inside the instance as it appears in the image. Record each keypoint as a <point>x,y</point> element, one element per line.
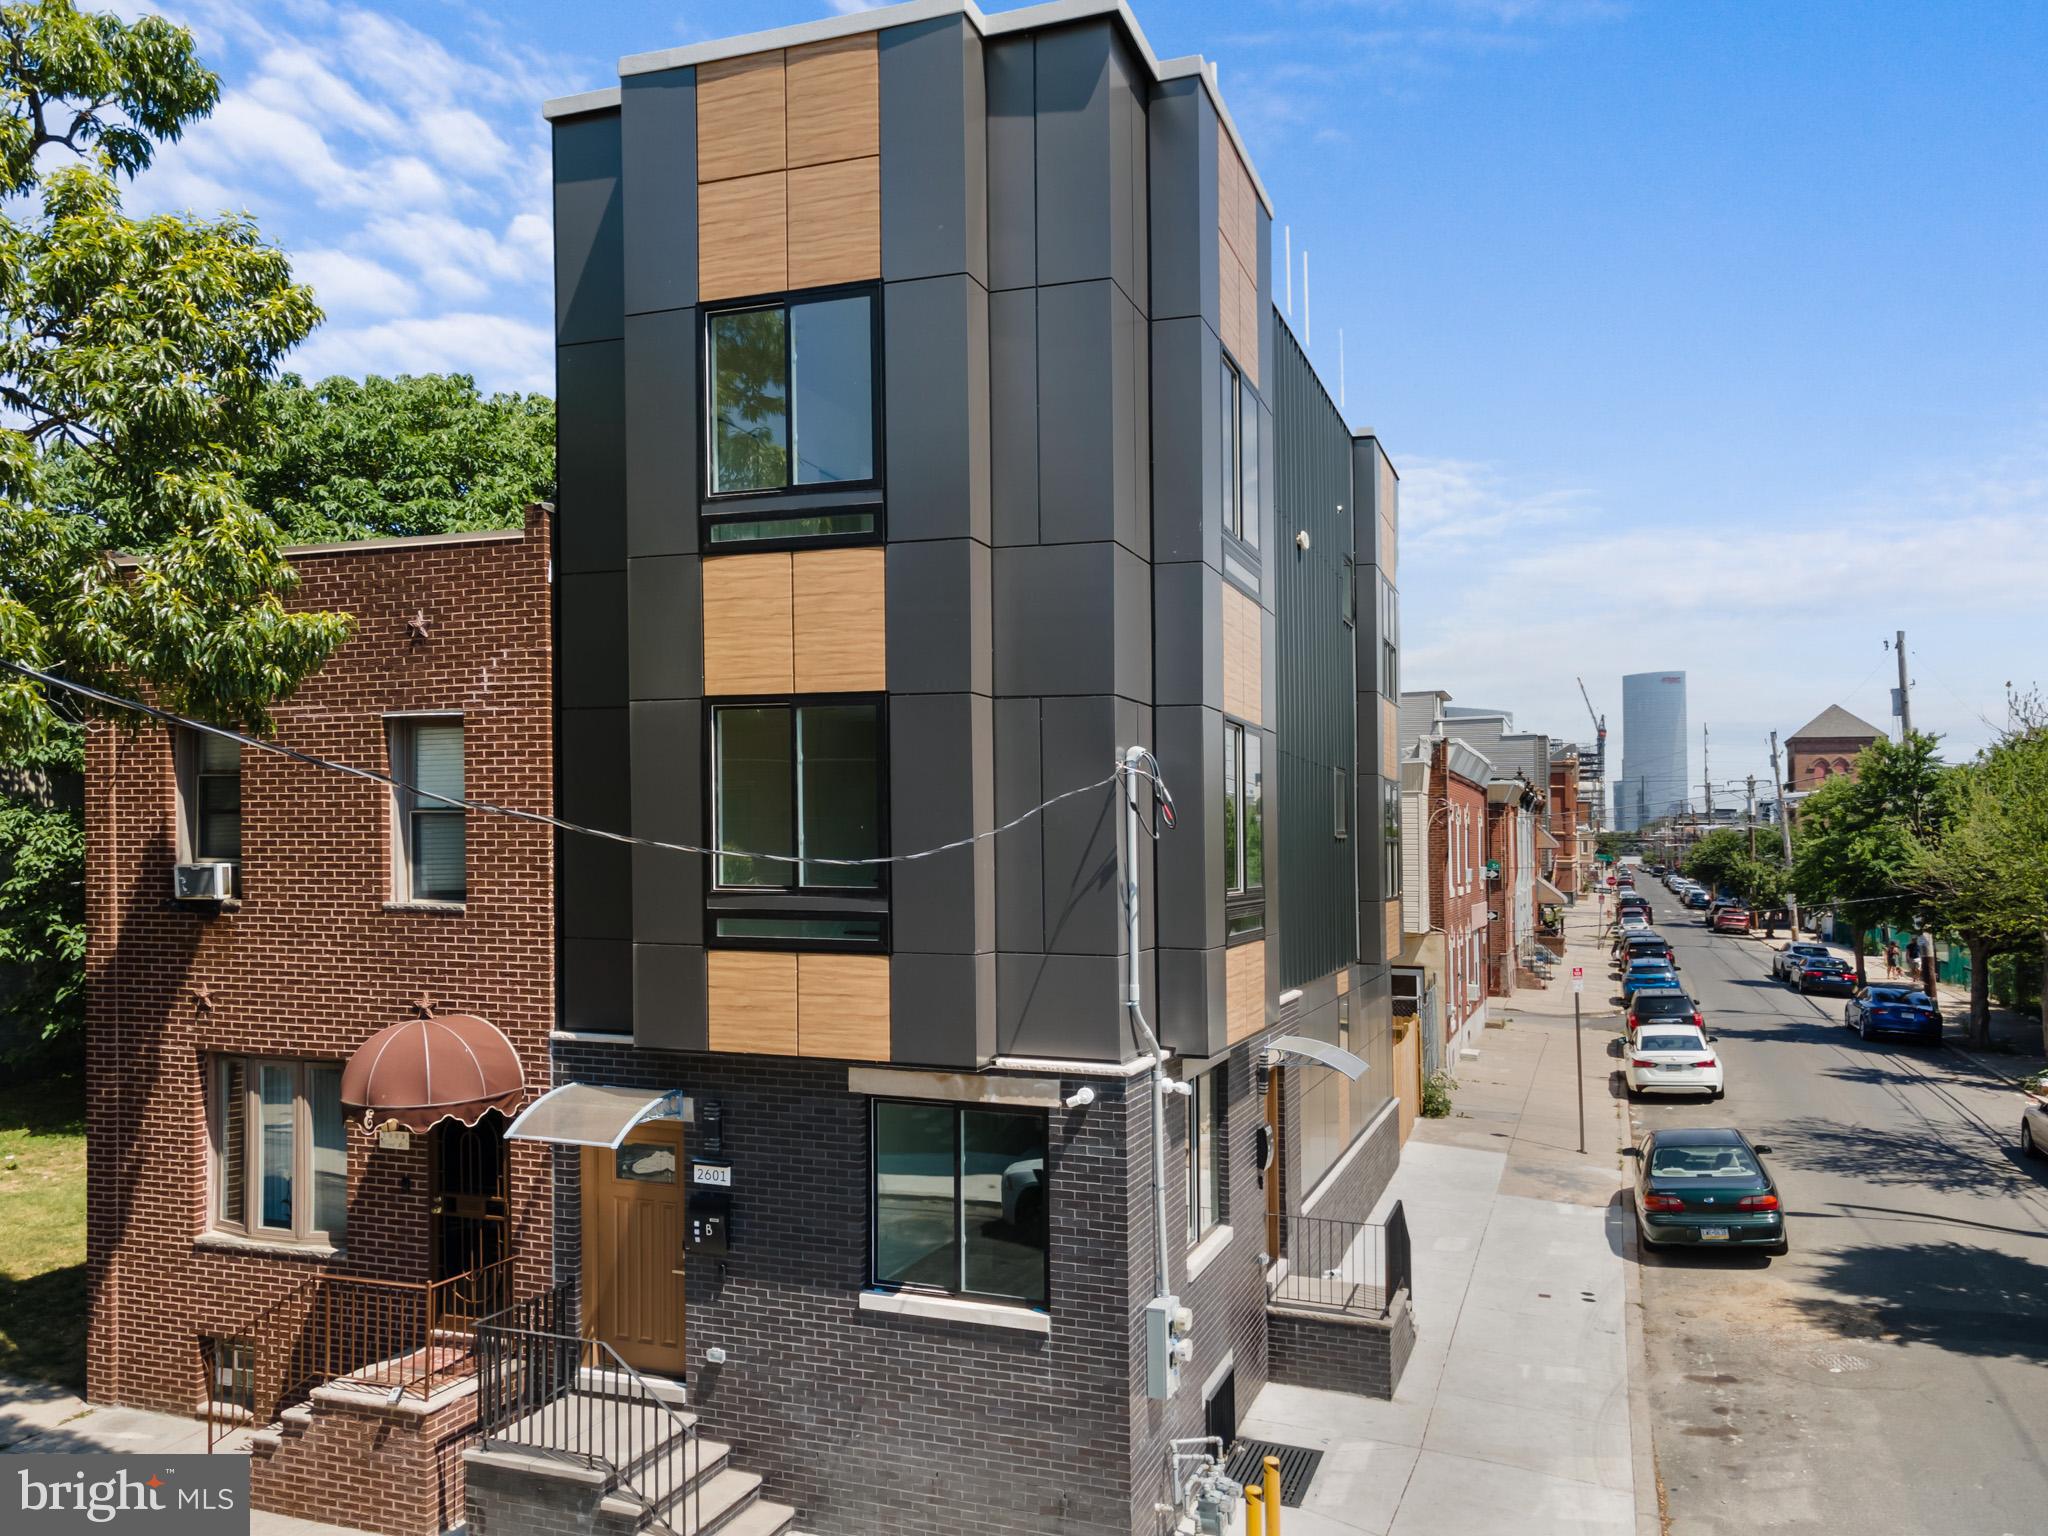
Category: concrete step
<point>602,1382</point>
<point>597,1426</point>
<point>763,1517</point>
<point>716,1503</point>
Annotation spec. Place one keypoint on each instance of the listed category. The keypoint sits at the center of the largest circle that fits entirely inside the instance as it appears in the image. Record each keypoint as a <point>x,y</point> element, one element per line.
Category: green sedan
<point>1706,1188</point>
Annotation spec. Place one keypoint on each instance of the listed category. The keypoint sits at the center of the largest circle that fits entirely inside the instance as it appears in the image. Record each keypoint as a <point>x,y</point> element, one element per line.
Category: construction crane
<point>1599,754</point>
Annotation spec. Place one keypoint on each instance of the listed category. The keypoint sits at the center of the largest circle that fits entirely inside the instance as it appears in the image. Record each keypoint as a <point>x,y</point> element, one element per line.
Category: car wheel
<point>2028,1146</point>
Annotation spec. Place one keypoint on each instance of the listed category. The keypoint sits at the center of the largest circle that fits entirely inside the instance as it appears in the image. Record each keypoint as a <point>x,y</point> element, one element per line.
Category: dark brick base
<point>1338,1352</point>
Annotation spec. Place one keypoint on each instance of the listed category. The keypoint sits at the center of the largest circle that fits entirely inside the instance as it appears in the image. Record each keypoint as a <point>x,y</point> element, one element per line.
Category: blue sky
<point>1706,336</point>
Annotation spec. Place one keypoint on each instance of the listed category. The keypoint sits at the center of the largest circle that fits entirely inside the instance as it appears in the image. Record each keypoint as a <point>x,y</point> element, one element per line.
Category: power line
<point>1149,770</point>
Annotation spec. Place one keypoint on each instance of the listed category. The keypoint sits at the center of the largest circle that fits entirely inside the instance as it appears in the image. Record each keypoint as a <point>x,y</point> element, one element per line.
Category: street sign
<point>1578,973</point>
<point>1578,985</point>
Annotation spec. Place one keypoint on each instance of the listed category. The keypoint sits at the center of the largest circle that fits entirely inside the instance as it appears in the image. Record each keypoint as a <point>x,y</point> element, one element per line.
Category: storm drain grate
<point>1297,1466</point>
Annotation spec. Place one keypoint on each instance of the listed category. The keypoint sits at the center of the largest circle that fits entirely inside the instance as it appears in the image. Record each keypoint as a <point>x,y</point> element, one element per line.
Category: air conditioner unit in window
<point>203,882</point>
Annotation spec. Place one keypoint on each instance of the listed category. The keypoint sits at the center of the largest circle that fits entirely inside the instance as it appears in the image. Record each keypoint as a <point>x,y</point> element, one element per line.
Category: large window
<point>279,1149</point>
<point>1238,409</point>
<point>1205,1104</point>
<point>1390,839</point>
<point>1244,831</point>
<point>960,1200</point>
<point>795,787</point>
<point>210,795</point>
<point>429,845</point>
<point>792,410</point>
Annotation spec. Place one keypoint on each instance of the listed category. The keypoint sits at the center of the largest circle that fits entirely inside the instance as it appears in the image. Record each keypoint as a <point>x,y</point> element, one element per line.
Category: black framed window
<point>1390,839</point>
<point>959,1200</point>
<point>793,438</point>
<point>1205,1104</point>
<point>214,811</point>
<point>1390,641</point>
<point>1244,831</point>
<point>1247,529</point>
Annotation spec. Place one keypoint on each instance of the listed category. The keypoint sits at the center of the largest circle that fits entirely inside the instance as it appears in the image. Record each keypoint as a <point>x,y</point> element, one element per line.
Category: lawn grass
<point>42,1229</point>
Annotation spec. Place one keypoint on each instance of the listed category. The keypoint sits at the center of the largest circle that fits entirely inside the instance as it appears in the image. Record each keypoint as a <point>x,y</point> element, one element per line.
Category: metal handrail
<point>1347,1266</point>
<point>531,1367</point>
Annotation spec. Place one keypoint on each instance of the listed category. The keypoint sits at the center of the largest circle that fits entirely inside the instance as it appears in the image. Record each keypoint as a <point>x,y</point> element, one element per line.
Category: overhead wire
<point>1148,769</point>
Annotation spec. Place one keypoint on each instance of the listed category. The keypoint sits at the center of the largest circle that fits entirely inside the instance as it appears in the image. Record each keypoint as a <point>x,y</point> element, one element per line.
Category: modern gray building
<point>928,439</point>
<point>1653,780</point>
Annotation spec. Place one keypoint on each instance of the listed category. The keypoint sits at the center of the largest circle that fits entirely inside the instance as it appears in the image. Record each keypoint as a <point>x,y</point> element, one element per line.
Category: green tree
<point>1714,859</point>
<point>420,453</point>
<point>42,904</point>
<point>132,356</point>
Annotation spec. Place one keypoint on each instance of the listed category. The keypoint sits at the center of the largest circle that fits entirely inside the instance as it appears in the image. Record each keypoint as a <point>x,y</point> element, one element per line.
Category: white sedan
<point>1673,1058</point>
<point>2034,1128</point>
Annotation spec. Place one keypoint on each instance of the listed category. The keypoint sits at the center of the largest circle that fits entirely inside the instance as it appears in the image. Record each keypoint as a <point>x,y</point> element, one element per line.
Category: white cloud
<point>346,283</point>
<point>503,353</point>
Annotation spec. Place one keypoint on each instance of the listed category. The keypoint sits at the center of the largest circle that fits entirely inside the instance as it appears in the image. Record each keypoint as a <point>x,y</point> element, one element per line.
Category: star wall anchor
<point>424,1004</point>
<point>202,997</point>
<point>416,626</point>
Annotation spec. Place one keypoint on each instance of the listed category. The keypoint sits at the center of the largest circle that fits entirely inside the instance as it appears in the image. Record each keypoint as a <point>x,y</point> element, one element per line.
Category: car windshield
<point>1703,1162</point>
<point>1682,1040</point>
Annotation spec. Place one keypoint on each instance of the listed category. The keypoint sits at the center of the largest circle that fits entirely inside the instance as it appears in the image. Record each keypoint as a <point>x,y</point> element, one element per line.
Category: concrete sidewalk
<point>1515,1412</point>
<point>39,1418</point>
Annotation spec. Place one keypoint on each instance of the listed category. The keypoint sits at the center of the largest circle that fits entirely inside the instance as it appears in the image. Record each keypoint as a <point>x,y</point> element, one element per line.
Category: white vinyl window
<point>429,826</point>
<point>279,1149</point>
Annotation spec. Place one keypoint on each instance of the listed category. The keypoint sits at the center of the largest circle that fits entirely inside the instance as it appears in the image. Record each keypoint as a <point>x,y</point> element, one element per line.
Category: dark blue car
<point>1882,1010</point>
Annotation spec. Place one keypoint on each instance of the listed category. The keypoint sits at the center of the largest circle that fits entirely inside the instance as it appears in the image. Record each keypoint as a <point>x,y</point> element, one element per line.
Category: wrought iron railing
<point>544,1389</point>
<point>404,1337</point>
<point>1345,1266</point>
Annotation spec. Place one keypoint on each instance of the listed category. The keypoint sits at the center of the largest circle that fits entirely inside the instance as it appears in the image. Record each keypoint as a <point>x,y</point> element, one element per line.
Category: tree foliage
<point>133,354</point>
<point>42,903</point>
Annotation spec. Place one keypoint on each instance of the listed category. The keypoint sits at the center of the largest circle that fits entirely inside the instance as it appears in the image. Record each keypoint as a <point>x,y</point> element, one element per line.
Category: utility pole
<point>1752,818</point>
<point>1922,940</point>
<point>1905,692</point>
<point>1784,831</point>
<point>1707,773</point>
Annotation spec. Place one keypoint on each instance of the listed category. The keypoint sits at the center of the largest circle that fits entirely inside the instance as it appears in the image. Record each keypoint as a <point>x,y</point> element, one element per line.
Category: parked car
<point>1646,945</point>
<point>1647,973</point>
<point>1674,1058</point>
<point>1732,919</point>
<point>1697,897</point>
<point>1786,962</point>
<point>2034,1128</point>
<point>1662,1005</point>
<point>1883,1010</point>
<point>1826,975</point>
<point>1707,1186</point>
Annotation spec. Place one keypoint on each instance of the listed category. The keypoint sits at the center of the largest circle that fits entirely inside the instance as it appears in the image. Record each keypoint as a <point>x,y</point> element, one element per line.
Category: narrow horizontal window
<point>755,530</point>
<point>814,930</point>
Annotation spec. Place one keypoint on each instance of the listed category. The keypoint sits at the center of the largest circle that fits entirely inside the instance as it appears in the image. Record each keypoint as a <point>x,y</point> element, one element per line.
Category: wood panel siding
<point>834,101</point>
<point>1243,656</point>
<point>842,1006</point>
<point>749,626</point>
<point>1237,302</point>
<point>1237,243</point>
<point>835,223</point>
<point>740,117</point>
<point>1390,741</point>
<point>1344,982</point>
<point>840,623</point>
<point>1390,923</point>
<point>1244,990</point>
<point>751,1001</point>
<point>743,236</point>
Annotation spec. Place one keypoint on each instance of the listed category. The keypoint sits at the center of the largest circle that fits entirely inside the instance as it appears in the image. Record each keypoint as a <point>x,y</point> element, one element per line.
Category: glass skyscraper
<point>1653,749</point>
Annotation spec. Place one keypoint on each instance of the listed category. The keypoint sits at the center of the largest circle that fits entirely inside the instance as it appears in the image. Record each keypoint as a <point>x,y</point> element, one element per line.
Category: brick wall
<point>1337,1352</point>
<point>314,958</point>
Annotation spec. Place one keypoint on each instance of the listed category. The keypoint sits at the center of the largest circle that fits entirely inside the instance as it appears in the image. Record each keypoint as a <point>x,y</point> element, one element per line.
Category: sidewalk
<point>38,1418</point>
<point>1514,1412</point>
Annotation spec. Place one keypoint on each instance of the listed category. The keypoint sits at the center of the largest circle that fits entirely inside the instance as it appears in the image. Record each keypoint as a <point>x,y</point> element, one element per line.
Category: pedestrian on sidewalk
<point>1891,957</point>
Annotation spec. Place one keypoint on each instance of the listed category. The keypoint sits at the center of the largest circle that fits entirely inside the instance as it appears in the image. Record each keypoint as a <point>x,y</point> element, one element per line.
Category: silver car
<point>2034,1128</point>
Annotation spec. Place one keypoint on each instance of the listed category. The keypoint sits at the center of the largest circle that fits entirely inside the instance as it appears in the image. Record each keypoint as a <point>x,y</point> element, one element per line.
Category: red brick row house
<point>255,922</point>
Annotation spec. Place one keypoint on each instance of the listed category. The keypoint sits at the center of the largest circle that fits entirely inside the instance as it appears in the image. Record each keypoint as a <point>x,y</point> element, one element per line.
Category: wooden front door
<point>633,1247</point>
<point>1271,1176</point>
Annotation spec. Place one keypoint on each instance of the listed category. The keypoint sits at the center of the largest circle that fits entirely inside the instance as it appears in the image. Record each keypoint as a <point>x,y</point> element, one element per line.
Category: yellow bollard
<point>1272,1492</point>
<point>1254,1510</point>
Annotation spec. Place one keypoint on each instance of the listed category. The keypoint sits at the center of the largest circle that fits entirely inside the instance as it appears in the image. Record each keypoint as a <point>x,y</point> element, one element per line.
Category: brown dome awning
<point>424,1071</point>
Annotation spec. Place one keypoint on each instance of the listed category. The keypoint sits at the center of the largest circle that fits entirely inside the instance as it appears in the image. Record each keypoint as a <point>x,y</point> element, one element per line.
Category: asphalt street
<point>1891,1374</point>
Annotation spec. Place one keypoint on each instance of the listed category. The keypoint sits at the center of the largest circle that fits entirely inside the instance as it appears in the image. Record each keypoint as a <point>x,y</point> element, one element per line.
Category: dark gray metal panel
<point>1055,630</point>
<point>589,230</point>
<point>1074,173</point>
<point>1133,589</point>
<point>941,788</point>
<point>942,1010</point>
<point>934,150</point>
<point>597,985</point>
<point>940,636</point>
<point>658,150</point>
<point>665,627</point>
<point>668,804</point>
<point>1129,84</point>
<point>1063,1006</point>
<point>1187,635</point>
<point>936,379</point>
<point>1013,416</point>
<point>1020,852</point>
<point>1189,897</point>
<point>1130,520</point>
<point>1078,460</point>
<point>591,643</point>
<point>1181,126</point>
<point>669,999</point>
<point>1080,743</point>
<point>1139,445</point>
<point>1264,222</point>
<point>595,883</point>
<point>661,433</point>
<point>1012,161</point>
<point>1192,1014</point>
<point>590,449</point>
<point>1186,430</point>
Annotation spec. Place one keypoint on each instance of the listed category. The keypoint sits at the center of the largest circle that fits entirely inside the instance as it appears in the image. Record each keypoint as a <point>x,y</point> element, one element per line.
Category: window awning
<point>1321,1052</point>
<point>1545,891</point>
<point>424,1071</point>
<point>592,1114</point>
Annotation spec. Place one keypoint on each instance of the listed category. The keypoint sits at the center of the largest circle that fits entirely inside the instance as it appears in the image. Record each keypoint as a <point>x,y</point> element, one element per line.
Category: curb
<point>1641,1443</point>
